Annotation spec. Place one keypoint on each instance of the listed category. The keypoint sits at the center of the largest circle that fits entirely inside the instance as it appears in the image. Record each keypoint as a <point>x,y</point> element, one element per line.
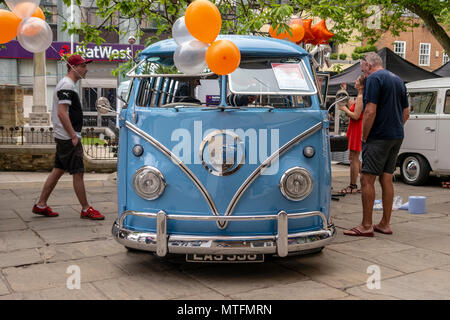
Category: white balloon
<point>189,57</point>
<point>34,35</point>
<point>180,33</point>
<point>23,8</point>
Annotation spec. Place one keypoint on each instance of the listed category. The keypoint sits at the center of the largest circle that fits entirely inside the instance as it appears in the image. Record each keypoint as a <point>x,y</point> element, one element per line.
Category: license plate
<point>225,258</point>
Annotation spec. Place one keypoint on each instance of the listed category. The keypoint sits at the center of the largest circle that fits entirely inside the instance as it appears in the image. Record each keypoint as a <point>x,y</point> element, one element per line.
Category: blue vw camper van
<point>225,168</point>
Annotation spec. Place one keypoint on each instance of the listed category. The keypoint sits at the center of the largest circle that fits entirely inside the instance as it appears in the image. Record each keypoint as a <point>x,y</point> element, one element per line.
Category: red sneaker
<point>47,211</point>
<point>92,214</point>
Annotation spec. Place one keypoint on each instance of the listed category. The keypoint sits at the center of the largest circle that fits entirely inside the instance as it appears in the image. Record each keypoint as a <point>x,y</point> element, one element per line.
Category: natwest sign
<point>104,52</point>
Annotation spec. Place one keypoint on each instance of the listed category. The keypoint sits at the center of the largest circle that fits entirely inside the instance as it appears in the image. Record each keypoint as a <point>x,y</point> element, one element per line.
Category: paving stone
<point>77,234</point>
<point>209,295</point>
<point>12,224</point>
<point>86,292</point>
<point>429,284</point>
<point>73,251</point>
<point>152,285</point>
<point>302,290</point>
<point>445,267</point>
<point>340,237</point>
<point>335,269</point>
<point>411,260</point>
<point>138,263</point>
<point>19,257</point>
<point>54,275</point>
<point>20,239</point>
<point>369,247</point>
<point>55,223</point>
<point>7,214</point>
<point>234,278</point>
<point>3,288</point>
<point>7,195</point>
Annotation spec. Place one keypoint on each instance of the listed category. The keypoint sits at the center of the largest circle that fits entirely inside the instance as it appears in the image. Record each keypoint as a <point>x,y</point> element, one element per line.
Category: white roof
<point>430,83</point>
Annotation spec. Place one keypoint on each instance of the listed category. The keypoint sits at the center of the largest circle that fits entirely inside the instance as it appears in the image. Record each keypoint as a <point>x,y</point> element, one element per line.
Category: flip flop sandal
<point>350,189</point>
<point>358,233</point>
<point>376,229</point>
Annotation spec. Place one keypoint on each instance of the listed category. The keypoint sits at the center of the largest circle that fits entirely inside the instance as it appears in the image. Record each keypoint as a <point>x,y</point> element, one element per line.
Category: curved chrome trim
<point>178,162</point>
<point>255,174</point>
<point>207,140</point>
<point>156,172</point>
<point>286,175</point>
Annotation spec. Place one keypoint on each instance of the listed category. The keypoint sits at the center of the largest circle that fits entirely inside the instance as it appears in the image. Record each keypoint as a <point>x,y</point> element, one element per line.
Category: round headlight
<point>149,183</point>
<point>296,184</point>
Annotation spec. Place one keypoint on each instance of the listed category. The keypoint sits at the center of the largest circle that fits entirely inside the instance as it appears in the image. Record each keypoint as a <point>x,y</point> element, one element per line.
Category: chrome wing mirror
<point>103,106</point>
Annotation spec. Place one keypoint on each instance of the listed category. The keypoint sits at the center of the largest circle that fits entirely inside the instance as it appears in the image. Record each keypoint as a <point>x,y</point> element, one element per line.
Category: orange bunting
<point>8,24</point>
<point>223,57</point>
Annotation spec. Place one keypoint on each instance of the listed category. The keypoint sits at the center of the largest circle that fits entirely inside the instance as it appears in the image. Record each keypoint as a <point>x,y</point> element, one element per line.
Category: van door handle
<point>429,129</point>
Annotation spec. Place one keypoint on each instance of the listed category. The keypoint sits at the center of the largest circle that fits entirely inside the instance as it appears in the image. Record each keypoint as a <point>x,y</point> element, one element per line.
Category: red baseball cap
<point>76,59</point>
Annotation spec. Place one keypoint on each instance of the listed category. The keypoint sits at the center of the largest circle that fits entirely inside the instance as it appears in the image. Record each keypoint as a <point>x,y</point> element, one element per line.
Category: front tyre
<point>415,170</point>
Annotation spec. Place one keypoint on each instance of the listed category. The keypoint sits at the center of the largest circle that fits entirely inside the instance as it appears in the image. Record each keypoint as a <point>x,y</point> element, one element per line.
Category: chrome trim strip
<point>178,162</point>
<point>255,174</point>
<point>226,218</point>
<point>282,237</point>
<point>161,234</point>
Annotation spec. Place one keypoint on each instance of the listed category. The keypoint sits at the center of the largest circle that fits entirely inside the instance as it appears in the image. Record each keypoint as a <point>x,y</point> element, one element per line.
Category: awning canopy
<point>443,71</point>
<point>404,69</point>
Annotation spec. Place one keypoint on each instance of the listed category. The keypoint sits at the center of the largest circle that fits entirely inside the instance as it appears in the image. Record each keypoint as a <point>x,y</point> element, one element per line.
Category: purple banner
<point>103,52</point>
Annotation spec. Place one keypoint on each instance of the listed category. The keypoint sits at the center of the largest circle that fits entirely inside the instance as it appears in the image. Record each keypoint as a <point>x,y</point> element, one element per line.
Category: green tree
<point>371,18</point>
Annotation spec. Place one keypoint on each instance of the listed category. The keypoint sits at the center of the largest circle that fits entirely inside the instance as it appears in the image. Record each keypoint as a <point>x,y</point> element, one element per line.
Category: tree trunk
<point>435,28</point>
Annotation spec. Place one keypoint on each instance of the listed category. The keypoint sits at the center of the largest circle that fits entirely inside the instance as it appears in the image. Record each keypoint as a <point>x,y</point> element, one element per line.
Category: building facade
<point>16,64</point>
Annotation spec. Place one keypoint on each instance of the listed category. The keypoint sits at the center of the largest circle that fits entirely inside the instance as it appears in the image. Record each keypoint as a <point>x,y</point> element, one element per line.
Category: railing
<point>96,144</point>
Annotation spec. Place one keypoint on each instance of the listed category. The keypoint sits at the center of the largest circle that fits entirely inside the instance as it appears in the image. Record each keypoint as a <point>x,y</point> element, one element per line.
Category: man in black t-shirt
<point>67,118</point>
<point>385,113</point>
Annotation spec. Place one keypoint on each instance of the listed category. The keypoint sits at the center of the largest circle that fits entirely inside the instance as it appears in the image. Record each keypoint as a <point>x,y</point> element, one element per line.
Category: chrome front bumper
<point>280,244</point>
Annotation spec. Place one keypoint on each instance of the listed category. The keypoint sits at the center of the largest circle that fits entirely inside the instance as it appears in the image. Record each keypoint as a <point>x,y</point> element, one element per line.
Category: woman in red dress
<point>354,133</point>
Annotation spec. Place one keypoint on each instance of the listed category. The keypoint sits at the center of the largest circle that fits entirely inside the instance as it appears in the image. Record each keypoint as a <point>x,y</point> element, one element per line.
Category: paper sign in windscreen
<point>289,76</point>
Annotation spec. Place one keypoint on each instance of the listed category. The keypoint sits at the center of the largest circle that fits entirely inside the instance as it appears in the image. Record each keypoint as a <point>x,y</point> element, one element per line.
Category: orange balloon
<point>223,57</point>
<point>274,33</point>
<point>39,14</point>
<point>321,33</point>
<point>203,20</point>
<point>309,36</point>
<point>297,31</point>
<point>8,24</point>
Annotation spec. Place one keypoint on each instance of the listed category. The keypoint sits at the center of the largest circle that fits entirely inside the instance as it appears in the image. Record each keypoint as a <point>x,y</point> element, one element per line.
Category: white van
<point>426,146</point>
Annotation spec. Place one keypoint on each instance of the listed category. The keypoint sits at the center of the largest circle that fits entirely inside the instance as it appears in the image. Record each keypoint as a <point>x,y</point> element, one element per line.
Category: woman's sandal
<point>351,189</point>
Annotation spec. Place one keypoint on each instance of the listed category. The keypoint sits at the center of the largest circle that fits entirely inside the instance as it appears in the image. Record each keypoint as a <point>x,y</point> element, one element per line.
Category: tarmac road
<point>38,255</point>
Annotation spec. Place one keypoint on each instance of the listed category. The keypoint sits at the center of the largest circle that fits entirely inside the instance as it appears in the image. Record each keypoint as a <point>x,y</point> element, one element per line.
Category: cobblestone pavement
<point>36,253</point>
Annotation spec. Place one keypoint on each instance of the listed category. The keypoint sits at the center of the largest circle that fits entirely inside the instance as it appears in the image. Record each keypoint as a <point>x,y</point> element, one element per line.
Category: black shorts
<point>68,157</point>
<point>380,156</point>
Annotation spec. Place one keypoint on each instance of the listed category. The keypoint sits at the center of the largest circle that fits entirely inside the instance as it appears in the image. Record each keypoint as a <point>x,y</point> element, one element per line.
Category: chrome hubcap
<point>411,168</point>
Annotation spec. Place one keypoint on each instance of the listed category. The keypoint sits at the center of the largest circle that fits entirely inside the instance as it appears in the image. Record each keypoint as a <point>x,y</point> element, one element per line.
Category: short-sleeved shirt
<point>388,92</point>
<point>66,93</point>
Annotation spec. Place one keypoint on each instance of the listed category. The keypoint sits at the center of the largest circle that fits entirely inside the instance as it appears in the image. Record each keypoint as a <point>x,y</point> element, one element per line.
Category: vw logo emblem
<point>222,153</point>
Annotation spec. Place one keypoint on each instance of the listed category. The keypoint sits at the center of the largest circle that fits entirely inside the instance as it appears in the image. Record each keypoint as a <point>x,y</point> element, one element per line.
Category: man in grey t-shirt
<point>67,118</point>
